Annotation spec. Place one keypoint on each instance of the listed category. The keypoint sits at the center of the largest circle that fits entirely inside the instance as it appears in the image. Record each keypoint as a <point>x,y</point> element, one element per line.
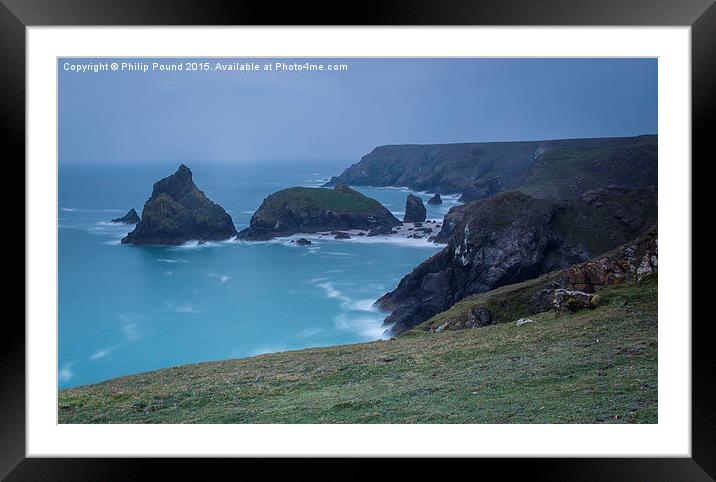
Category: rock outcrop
<point>574,288</point>
<point>415,211</point>
<point>513,237</point>
<point>436,199</point>
<point>553,169</point>
<point>130,218</point>
<point>178,212</point>
<point>311,210</point>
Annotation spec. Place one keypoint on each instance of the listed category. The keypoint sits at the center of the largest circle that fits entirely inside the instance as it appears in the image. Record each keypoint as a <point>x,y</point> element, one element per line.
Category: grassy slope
<point>506,303</point>
<point>594,366</point>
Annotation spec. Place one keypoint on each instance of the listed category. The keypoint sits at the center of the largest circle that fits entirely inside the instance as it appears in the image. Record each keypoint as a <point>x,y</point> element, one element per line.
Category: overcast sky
<point>269,115</point>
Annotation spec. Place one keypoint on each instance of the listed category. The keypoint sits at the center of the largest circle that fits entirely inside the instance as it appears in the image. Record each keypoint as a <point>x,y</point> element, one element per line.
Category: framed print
<point>258,233</point>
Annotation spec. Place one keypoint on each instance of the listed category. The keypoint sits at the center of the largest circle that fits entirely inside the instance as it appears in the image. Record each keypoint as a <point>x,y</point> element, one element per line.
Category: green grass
<point>593,366</point>
<point>307,197</point>
<point>507,303</point>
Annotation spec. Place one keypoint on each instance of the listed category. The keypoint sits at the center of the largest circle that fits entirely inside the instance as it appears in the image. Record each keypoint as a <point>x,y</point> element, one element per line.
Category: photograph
<point>357,240</point>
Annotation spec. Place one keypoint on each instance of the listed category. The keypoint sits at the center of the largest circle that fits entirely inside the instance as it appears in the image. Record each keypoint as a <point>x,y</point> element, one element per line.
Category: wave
<point>347,303</point>
<point>196,244</point>
<point>323,238</point>
<point>221,277</point>
<point>358,316</point>
<point>72,210</point>
<point>369,327</point>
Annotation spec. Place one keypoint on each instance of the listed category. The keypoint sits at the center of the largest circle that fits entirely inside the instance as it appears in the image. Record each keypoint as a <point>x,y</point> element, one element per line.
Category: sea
<point>129,309</point>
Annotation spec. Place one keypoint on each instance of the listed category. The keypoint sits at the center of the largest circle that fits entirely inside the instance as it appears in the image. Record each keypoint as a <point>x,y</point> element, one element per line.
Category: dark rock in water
<point>551,169</point>
<point>513,237</point>
<point>414,210</point>
<point>309,210</point>
<point>361,234</point>
<point>342,235</point>
<point>381,231</point>
<point>130,218</point>
<point>302,242</point>
<point>178,212</point>
<point>436,199</point>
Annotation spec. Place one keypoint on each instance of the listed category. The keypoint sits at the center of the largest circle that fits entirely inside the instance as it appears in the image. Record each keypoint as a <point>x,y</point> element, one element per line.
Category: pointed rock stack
<point>415,211</point>
<point>178,212</point>
<point>130,218</point>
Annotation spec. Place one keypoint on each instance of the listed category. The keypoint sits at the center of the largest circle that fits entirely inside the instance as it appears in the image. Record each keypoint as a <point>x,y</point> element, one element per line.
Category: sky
<point>339,115</point>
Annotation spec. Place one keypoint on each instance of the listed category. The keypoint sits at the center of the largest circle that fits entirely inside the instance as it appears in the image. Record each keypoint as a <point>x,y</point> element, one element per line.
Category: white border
<point>670,437</point>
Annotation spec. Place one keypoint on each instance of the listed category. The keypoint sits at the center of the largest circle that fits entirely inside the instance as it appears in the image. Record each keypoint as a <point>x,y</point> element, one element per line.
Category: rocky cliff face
<point>554,169</point>
<point>415,211</point>
<point>514,237</point>
<point>573,288</point>
<point>178,212</point>
<point>310,210</point>
<point>130,218</point>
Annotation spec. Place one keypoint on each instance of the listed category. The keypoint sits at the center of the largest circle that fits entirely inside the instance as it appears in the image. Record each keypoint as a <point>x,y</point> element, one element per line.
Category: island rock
<point>178,212</point>
<point>310,210</point>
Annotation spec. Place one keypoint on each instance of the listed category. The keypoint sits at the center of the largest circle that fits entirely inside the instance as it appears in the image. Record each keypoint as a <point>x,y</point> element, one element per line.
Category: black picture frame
<point>16,15</point>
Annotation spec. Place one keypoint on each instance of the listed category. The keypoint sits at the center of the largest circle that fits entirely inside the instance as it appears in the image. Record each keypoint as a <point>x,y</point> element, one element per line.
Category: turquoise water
<point>128,309</point>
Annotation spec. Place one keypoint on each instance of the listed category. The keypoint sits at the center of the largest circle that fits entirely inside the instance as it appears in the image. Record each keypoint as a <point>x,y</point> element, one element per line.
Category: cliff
<point>177,212</point>
<point>630,263</point>
<point>310,210</point>
<point>514,237</point>
<point>552,169</point>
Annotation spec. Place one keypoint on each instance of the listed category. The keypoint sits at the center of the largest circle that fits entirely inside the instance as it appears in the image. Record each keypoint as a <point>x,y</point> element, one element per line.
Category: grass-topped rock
<point>178,212</point>
<point>311,210</point>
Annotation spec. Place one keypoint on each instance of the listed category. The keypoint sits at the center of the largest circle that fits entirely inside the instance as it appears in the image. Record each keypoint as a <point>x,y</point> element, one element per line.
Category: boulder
<point>572,300</point>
